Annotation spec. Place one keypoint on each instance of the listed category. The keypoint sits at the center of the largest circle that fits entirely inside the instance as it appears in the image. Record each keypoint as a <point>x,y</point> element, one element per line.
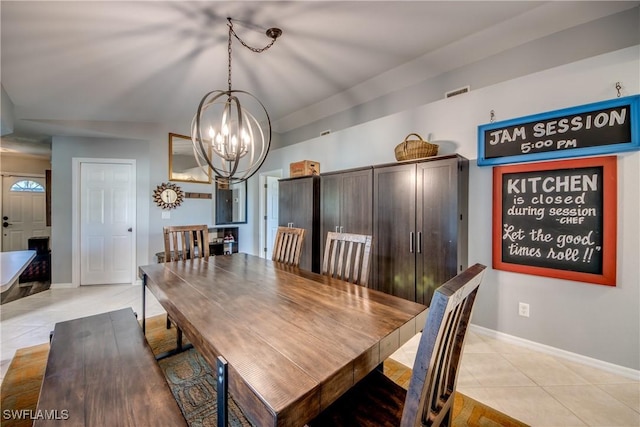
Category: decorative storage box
<point>304,168</point>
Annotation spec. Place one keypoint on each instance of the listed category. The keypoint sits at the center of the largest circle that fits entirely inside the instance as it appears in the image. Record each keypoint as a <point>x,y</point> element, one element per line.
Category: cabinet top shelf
<point>384,165</point>
<point>423,160</point>
<point>299,177</point>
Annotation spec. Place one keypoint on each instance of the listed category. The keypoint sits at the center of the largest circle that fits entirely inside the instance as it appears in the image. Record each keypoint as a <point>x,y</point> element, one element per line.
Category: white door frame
<point>263,208</point>
<point>75,214</point>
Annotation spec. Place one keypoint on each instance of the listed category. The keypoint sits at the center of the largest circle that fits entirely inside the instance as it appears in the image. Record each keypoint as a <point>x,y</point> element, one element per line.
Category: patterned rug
<point>192,382</point>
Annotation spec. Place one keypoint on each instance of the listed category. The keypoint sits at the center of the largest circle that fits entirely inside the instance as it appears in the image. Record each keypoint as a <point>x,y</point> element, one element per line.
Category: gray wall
<point>64,149</point>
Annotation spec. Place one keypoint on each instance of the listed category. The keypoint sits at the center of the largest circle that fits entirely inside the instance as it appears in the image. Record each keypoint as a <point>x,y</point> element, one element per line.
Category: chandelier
<point>226,136</point>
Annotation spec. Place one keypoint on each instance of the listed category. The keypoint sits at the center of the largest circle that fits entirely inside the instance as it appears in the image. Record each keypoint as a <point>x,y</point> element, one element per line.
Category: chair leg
<point>448,419</point>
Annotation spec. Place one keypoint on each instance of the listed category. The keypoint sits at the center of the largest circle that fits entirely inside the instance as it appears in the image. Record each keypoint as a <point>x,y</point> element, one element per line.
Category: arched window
<point>27,186</point>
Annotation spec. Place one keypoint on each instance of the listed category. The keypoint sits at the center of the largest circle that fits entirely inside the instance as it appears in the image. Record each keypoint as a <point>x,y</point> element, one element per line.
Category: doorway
<point>268,211</point>
<point>23,211</point>
<point>104,215</point>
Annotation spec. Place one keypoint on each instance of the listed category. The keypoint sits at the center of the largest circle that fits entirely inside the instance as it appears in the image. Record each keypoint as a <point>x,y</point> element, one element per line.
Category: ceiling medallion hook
<point>274,33</point>
<point>227,138</point>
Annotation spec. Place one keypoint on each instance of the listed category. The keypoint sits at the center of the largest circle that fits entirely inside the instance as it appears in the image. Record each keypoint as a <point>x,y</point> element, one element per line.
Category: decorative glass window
<point>27,186</point>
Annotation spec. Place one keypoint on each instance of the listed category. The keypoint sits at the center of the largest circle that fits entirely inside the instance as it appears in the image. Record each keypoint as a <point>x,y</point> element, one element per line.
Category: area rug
<point>192,382</point>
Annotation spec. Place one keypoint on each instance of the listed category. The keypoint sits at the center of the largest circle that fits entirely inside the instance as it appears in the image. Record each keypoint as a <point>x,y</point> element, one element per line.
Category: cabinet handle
<point>419,242</point>
<point>411,242</point>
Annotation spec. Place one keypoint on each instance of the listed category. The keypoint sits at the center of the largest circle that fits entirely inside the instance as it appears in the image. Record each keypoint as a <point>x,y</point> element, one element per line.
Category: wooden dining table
<point>294,340</point>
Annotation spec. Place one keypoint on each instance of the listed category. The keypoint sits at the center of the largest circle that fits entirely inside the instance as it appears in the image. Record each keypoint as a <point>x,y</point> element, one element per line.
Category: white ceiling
<point>65,63</point>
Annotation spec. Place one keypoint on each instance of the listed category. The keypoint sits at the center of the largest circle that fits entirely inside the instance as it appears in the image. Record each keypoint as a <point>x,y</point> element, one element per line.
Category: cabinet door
<point>347,203</point>
<point>437,226</point>
<point>298,204</point>
<point>356,202</point>
<point>394,218</point>
<point>295,200</point>
<point>330,205</point>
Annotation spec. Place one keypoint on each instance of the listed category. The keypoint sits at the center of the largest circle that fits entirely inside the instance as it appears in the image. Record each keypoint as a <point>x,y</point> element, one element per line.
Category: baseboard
<point>62,286</point>
<point>137,282</point>
<point>573,357</point>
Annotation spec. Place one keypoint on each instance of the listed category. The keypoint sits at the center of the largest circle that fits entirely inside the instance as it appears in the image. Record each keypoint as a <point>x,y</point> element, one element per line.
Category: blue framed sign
<point>587,130</point>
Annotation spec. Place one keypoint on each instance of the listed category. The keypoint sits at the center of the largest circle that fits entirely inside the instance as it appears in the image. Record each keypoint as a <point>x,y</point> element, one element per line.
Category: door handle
<point>411,242</point>
<point>6,224</point>
<point>129,229</point>
<point>419,242</point>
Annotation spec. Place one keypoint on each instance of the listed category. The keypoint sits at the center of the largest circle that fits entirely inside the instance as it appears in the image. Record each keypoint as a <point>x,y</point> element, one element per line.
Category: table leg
<point>222,388</point>
<point>144,291</point>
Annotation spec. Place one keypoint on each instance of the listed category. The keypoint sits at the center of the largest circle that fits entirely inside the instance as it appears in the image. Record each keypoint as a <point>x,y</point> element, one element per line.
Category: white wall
<point>591,320</point>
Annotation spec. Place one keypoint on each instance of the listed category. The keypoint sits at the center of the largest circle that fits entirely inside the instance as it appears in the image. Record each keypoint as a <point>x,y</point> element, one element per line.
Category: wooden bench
<point>101,372</point>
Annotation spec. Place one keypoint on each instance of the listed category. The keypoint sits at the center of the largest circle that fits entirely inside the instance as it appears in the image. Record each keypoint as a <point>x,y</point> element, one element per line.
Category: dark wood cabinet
<point>419,226</point>
<point>346,202</point>
<point>299,206</point>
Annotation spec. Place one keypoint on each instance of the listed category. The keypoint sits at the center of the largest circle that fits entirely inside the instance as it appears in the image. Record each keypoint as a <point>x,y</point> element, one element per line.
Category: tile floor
<point>536,388</point>
<point>539,389</point>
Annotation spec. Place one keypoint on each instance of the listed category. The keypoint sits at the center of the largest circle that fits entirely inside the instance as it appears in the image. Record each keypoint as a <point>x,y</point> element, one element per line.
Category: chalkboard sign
<point>557,219</point>
<point>599,128</point>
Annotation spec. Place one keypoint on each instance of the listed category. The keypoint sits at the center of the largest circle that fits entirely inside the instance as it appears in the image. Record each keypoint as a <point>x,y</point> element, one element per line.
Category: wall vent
<point>458,91</point>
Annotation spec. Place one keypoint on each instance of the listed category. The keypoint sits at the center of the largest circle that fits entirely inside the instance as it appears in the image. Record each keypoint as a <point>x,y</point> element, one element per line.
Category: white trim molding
<point>62,286</point>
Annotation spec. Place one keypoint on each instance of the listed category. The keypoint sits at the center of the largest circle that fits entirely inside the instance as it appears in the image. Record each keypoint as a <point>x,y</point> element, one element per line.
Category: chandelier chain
<point>253,49</point>
<point>229,51</point>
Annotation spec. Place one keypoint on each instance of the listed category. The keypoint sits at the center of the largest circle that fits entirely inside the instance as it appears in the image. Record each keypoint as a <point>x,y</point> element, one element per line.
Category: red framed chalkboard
<point>557,219</point>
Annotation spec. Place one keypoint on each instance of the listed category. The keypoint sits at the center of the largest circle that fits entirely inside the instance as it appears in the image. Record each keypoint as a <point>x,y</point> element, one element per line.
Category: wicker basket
<point>411,149</point>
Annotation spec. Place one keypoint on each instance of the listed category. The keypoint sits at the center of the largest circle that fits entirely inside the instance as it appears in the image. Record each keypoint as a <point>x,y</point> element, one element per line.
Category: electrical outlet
<point>523,309</point>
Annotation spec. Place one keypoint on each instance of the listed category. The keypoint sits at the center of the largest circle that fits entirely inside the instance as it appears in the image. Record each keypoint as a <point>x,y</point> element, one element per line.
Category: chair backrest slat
<point>181,241</point>
<point>347,257</point>
<point>287,247</point>
<point>433,381</point>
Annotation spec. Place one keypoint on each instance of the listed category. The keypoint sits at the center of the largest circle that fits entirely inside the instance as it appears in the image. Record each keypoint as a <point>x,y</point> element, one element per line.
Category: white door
<point>271,217</point>
<point>23,211</point>
<point>107,206</point>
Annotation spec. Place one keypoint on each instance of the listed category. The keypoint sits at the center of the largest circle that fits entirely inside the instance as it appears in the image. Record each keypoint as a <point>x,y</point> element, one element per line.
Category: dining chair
<point>378,401</point>
<point>347,257</point>
<point>182,242</point>
<point>287,247</point>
